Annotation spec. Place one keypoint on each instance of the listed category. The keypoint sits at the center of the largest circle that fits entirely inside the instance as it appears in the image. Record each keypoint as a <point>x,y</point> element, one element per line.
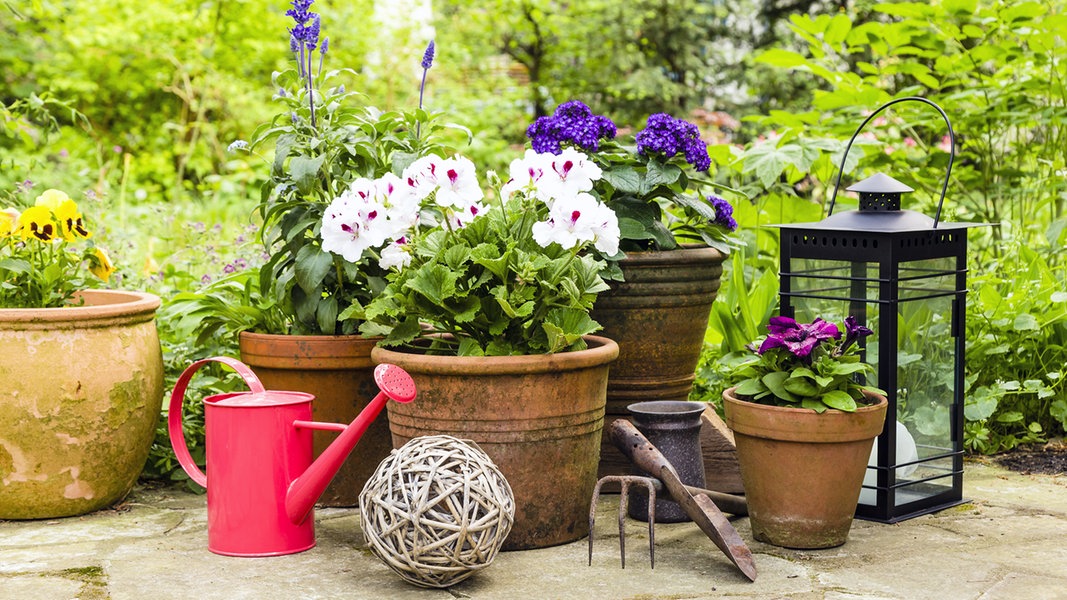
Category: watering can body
<point>263,482</point>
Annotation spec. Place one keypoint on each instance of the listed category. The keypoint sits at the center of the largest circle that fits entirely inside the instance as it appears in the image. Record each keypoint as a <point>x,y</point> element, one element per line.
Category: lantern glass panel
<point>926,378</point>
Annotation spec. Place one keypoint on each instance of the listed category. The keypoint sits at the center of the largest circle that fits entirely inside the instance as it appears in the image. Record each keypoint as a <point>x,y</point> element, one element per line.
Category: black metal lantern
<point>902,274</point>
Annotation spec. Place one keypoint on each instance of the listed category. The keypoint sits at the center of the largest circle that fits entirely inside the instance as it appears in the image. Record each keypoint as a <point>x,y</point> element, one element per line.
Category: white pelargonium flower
<point>569,173</point>
<point>355,221</point>
<point>577,220</point>
<point>401,201</point>
<point>458,186</point>
<point>462,218</point>
<point>422,176</point>
<point>527,172</point>
<point>395,255</point>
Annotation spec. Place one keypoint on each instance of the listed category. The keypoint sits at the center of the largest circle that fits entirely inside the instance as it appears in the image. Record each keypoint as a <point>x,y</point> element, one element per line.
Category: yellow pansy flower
<point>100,264</point>
<point>37,223</point>
<point>70,221</point>
<point>9,222</point>
<point>52,199</point>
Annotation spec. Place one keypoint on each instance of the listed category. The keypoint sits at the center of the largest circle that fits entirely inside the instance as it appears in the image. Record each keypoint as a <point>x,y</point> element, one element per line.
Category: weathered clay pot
<point>538,417</point>
<point>338,371</point>
<point>802,470</point>
<point>673,427</point>
<point>658,316</point>
<point>82,390</point>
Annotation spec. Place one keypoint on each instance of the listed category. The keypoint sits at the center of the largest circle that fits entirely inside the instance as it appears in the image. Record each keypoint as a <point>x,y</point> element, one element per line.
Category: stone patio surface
<point>1009,541</point>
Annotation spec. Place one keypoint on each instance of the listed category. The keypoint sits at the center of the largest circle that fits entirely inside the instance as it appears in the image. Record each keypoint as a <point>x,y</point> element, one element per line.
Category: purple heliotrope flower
<point>573,122</point>
<point>666,135</point>
<point>723,212</point>
<point>798,338</point>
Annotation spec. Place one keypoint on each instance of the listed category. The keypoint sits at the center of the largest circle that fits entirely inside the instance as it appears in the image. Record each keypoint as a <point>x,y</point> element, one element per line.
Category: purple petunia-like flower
<point>854,332</point>
<point>798,338</point>
<point>574,123</point>
<point>723,212</point>
<point>666,135</point>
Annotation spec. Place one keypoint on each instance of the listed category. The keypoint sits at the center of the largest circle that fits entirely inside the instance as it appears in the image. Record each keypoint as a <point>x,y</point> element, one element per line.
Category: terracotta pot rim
<point>601,351</point>
<point>804,424</point>
<point>256,335</point>
<point>99,304</point>
<point>729,396</point>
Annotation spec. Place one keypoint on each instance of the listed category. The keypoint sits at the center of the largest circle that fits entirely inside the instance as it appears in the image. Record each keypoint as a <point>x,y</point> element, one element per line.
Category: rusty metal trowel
<point>699,507</point>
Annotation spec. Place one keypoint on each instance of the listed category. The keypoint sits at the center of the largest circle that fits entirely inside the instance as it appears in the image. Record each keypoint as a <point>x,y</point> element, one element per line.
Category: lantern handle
<point>951,154</point>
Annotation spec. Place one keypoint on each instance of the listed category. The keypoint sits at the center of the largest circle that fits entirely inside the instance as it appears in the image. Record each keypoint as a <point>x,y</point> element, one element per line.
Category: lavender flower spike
<point>427,62</point>
<point>427,57</point>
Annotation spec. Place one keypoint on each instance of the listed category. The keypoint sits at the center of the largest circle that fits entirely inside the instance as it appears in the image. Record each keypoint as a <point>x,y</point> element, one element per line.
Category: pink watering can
<point>263,484</point>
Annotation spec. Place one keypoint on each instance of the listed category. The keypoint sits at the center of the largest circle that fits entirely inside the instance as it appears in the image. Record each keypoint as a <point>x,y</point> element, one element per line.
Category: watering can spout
<point>395,384</point>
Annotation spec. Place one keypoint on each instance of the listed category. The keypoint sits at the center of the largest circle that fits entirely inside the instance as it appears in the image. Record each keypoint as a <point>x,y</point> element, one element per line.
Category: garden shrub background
<point>137,102</point>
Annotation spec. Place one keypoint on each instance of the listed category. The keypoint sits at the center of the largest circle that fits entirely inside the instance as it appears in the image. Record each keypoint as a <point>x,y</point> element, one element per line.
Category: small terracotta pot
<point>81,393</point>
<point>802,470</point>
<point>658,316</point>
<point>338,371</point>
<point>538,417</point>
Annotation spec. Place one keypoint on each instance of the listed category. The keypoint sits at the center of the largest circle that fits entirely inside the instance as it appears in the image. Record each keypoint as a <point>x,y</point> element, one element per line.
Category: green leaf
<point>839,400</point>
<point>775,383</point>
<point>848,368</point>
<point>661,174</point>
<point>326,315</point>
<point>304,171</point>
<point>751,387</point>
<point>777,57</point>
<point>312,266</point>
<point>800,385</point>
<point>436,282</point>
<point>15,265</point>
<point>469,347</point>
<point>1026,322</point>
<point>623,179</point>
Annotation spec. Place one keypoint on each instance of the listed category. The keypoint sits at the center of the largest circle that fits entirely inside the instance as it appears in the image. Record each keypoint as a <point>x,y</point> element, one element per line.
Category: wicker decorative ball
<point>436,510</point>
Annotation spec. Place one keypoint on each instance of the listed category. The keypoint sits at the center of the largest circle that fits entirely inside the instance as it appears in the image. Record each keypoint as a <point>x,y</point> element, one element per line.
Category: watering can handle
<point>174,414</point>
<point>951,154</point>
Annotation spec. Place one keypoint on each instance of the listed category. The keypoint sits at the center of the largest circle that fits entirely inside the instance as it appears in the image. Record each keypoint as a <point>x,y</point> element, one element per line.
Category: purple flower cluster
<point>798,338</point>
<point>573,122</point>
<point>306,30</point>
<point>724,212</point>
<point>669,136</point>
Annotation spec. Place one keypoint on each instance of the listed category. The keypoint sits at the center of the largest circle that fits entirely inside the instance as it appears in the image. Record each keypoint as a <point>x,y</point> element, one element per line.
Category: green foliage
<point>1016,354</point>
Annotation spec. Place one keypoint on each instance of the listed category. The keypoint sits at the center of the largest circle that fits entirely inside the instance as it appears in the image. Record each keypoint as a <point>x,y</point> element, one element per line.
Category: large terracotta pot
<point>658,316</point>
<point>81,391</point>
<point>538,417</point>
<point>802,470</point>
<point>338,371</point>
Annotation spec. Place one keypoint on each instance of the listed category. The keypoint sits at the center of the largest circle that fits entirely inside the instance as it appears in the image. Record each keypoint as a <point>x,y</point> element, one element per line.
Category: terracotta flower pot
<point>82,390</point>
<point>658,316</point>
<point>338,371</point>
<point>538,417</point>
<point>802,470</point>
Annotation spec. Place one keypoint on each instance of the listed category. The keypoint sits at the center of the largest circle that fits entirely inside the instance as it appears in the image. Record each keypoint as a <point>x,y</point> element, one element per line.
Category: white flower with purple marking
<point>578,220</point>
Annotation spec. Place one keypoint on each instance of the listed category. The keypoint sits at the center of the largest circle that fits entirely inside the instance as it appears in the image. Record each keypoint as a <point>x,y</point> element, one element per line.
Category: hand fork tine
<point>624,483</point>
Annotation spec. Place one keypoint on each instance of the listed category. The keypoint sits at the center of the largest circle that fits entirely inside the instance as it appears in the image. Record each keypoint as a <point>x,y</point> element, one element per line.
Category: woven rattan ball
<point>436,510</point>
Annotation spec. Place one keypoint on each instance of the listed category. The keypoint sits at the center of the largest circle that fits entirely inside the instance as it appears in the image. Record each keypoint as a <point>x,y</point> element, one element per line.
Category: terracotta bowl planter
<point>81,394</point>
<point>338,371</point>
<point>538,417</point>
<point>802,470</point>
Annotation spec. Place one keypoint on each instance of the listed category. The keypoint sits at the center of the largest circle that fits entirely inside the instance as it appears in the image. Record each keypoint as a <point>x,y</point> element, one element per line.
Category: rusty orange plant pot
<point>338,371</point>
<point>802,470</point>
<point>81,395</point>
<point>658,316</point>
<point>538,417</point>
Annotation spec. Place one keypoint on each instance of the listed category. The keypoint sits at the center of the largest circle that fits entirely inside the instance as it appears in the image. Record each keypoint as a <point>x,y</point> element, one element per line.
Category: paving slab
<point>1006,542</point>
